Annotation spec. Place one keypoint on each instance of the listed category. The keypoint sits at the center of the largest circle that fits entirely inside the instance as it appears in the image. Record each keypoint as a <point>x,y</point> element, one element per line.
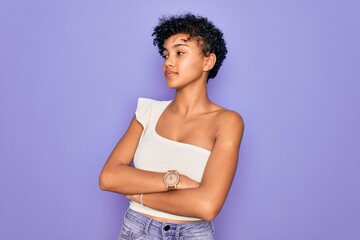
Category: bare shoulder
<point>229,123</point>
<point>229,117</point>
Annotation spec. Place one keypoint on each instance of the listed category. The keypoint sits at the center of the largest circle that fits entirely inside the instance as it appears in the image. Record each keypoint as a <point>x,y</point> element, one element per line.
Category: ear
<point>209,62</point>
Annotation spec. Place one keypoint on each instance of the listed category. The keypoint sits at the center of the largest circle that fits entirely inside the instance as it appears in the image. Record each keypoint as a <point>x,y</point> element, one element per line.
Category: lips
<point>169,73</point>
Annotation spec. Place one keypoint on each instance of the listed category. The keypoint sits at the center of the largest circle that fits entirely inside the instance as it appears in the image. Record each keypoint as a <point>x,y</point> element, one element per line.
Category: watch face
<point>171,179</point>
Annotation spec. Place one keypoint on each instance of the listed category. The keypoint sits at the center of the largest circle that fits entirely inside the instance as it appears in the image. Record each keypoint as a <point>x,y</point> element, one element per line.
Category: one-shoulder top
<point>159,154</point>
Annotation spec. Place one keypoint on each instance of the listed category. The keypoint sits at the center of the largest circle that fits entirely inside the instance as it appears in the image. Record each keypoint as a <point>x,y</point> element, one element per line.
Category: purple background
<point>71,72</point>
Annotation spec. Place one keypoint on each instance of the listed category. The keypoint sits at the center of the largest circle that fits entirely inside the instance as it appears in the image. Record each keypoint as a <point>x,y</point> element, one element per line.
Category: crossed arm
<point>202,200</point>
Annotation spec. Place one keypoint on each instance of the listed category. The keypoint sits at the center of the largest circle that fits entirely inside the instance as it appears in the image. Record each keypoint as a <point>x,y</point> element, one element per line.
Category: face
<point>184,62</point>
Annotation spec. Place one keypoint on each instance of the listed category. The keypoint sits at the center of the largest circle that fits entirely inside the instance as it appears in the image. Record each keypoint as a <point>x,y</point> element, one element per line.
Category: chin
<point>172,84</point>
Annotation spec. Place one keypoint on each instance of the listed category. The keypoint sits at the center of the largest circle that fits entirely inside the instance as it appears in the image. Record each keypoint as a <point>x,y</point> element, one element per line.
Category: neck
<point>191,101</point>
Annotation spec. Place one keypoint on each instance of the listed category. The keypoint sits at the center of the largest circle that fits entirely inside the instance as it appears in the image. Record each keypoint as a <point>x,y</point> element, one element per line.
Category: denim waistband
<point>168,228</point>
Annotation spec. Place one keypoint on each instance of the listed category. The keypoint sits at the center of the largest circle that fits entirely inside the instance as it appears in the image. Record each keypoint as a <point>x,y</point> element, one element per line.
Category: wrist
<point>182,182</point>
<point>171,179</point>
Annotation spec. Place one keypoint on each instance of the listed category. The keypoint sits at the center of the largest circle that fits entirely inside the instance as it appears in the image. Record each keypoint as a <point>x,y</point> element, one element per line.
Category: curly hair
<point>197,27</point>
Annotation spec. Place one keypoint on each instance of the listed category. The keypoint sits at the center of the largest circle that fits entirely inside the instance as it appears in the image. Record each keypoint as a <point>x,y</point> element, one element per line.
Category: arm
<point>206,201</point>
<point>118,176</point>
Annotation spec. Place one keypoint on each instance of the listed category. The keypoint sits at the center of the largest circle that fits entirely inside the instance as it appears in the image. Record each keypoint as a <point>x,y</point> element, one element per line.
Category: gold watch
<point>171,179</point>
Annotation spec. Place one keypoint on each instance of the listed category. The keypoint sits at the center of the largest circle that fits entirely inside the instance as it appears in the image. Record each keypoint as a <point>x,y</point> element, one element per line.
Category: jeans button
<point>167,227</point>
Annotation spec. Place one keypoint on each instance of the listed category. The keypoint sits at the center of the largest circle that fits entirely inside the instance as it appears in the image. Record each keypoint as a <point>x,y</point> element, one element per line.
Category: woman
<point>185,151</point>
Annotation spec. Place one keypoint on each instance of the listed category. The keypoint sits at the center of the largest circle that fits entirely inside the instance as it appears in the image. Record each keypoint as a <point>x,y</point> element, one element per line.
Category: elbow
<point>209,210</point>
<point>111,180</point>
<point>105,181</point>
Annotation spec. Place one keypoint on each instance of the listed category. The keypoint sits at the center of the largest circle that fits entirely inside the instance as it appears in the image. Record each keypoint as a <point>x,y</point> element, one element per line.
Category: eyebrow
<point>177,45</point>
<point>180,44</point>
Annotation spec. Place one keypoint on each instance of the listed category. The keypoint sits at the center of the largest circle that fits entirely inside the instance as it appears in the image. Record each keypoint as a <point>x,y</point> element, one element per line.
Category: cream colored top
<point>159,154</point>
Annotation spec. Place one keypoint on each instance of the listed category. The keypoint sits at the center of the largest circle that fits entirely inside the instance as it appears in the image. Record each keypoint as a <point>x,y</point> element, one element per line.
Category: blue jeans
<point>138,226</point>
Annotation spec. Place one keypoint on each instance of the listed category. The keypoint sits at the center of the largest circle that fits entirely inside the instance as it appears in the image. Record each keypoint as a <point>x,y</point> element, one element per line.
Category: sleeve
<point>143,111</point>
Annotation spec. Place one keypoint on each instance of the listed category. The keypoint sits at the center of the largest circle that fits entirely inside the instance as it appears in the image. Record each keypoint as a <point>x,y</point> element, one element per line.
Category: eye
<point>165,54</point>
<point>180,53</point>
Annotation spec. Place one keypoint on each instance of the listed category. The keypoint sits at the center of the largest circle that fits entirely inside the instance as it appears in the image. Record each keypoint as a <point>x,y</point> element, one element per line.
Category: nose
<point>168,62</point>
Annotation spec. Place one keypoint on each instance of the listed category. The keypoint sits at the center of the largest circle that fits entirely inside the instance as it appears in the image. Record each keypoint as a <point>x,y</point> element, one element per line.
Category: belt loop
<point>125,215</point>
<point>212,227</point>
<point>177,233</point>
<point>147,226</point>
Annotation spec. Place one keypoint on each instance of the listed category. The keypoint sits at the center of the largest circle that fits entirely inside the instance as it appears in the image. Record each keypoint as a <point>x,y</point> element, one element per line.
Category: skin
<point>190,118</point>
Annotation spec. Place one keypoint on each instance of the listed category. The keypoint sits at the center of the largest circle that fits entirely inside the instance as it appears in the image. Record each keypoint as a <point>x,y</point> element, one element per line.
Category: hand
<point>135,197</point>
<point>186,182</point>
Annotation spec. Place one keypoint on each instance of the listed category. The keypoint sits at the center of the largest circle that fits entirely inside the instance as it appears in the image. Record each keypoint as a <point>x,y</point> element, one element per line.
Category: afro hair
<point>196,27</point>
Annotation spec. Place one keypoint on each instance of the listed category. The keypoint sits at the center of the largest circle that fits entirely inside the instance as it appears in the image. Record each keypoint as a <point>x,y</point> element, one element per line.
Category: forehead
<point>180,38</point>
